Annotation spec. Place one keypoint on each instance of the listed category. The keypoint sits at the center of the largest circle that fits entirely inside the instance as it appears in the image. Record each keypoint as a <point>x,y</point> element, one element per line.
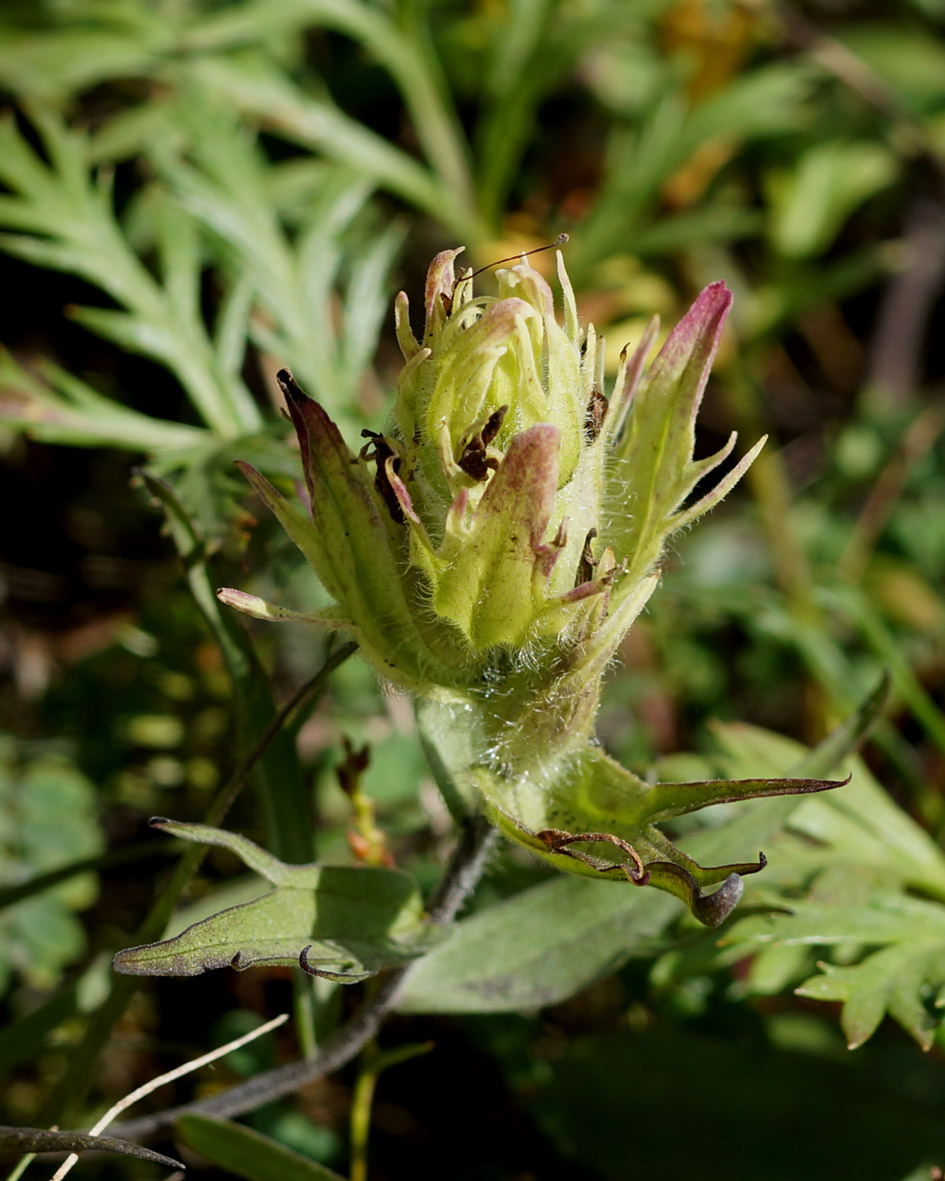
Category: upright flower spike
<point>490,550</point>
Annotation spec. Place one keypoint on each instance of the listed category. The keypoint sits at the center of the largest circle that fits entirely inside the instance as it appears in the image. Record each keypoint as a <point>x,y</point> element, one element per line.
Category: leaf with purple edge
<point>654,455</point>
<point>358,552</point>
<point>478,581</point>
<point>341,921</point>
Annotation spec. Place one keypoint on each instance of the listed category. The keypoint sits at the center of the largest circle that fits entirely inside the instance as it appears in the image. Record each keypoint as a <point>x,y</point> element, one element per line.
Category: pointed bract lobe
<point>358,551</point>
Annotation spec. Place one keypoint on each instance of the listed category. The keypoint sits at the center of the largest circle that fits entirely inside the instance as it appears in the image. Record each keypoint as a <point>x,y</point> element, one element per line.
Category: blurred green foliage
<point>48,818</point>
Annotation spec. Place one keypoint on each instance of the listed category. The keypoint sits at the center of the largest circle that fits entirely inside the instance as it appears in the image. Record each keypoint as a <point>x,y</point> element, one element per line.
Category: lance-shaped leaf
<point>343,922</point>
<point>243,1152</point>
<point>330,618</point>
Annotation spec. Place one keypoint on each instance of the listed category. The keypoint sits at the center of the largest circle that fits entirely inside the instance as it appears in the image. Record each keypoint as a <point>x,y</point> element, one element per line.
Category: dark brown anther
<point>493,424</point>
<point>587,564</point>
<point>560,842</point>
<point>379,450</point>
<point>474,461</point>
<point>594,414</point>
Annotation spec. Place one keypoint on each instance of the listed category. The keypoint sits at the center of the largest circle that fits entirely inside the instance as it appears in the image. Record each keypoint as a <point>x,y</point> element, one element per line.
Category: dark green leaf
<point>343,921</point>
<point>246,1153</point>
<point>537,948</point>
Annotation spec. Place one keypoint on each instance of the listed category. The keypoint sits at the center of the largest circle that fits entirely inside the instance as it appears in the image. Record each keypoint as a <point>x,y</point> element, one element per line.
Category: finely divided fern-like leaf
<point>904,976</point>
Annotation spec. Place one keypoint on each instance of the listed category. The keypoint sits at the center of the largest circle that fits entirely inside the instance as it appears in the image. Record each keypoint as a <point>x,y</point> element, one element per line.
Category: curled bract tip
<point>341,977</point>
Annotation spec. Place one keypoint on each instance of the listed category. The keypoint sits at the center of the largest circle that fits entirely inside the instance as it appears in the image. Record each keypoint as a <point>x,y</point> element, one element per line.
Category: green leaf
<point>860,826</point>
<point>908,58</point>
<point>904,978</point>
<point>766,101</point>
<point>344,922</point>
<point>751,750</point>
<point>536,948</point>
<point>67,222</point>
<point>263,92</point>
<point>830,180</point>
<point>246,1153</point>
<point>654,454</point>
<point>867,828</point>
<point>60,408</point>
<point>60,62</point>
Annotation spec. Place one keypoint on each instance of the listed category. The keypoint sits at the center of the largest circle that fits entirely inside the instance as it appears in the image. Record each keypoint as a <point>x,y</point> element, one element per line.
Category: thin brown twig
<point>895,367</point>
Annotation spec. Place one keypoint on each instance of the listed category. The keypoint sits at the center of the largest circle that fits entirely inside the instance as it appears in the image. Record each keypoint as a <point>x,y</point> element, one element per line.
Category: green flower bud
<point>490,551</point>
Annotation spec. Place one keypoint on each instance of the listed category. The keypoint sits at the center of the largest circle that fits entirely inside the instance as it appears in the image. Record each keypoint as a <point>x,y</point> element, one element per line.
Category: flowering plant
<point>492,547</point>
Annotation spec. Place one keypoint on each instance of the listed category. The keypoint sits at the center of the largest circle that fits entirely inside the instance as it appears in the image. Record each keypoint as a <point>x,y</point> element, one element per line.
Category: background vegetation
<point>197,193</point>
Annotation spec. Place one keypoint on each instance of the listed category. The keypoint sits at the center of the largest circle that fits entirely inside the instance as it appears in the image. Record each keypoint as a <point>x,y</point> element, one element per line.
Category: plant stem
<point>362,1101</point>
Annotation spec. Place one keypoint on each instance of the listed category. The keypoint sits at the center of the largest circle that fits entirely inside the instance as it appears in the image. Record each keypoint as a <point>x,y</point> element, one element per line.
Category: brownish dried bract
<point>352,767</point>
<point>560,842</point>
<point>340,977</point>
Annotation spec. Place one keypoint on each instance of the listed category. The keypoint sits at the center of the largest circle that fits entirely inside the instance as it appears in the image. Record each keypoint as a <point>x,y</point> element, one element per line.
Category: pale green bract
<point>491,549</point>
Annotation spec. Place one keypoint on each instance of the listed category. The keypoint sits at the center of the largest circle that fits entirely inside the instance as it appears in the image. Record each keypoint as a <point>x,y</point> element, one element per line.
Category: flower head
<point>491,548</point>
